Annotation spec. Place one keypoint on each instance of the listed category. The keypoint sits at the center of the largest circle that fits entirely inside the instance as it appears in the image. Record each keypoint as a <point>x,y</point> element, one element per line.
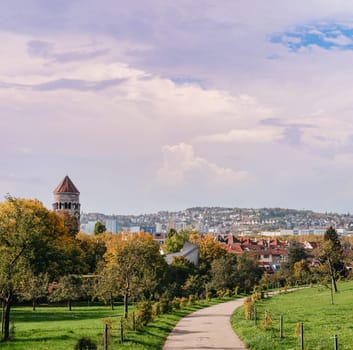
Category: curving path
<point>207,328</point>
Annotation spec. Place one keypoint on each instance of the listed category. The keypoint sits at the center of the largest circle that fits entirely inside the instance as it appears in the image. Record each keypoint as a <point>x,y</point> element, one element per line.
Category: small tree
<point>68,289</point>
<point>330,256</point>
<point>34,287</point>
<point>99,228</point>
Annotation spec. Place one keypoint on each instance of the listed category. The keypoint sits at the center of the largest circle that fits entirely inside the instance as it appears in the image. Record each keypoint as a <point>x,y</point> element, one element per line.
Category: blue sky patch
<point>325,35</point>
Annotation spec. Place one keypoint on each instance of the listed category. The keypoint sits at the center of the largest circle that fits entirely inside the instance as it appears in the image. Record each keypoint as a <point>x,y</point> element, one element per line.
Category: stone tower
<point>67,198</point>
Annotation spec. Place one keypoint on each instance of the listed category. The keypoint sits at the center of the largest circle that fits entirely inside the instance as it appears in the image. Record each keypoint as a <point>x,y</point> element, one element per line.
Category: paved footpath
<point>207,328</point>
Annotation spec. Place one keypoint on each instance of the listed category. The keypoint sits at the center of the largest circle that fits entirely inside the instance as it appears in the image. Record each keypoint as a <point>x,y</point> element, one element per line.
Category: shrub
<point>175,303</point>
<point>208,296</point>
<point>220,293</point>
<point>248,308</point>
<point>266,323</point>
<point>192,299</point>
<point>183,302</point>
<point>85,344</point>
<point>165,306</point>
<point>143,313</point>
<point>156,309</point>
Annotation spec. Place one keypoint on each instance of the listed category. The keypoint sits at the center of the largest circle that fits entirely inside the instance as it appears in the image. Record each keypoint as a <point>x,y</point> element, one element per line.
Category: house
<point>189,251</point>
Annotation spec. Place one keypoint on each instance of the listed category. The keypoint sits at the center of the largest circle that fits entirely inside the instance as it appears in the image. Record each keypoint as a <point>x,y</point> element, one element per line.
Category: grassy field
<point>313,307</point>
<point>56,328</point>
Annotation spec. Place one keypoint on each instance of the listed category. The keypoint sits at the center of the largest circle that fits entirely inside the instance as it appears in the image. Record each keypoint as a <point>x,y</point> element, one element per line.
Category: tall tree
<point>31,239</point>
<point>136,264</point>
<point>330,255</point>
<point>223,272</point>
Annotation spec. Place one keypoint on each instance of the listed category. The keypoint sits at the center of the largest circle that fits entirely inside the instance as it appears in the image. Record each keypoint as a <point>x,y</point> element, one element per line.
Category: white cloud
<point>181,165</point>
<point>244,136</point>
<point>341,40</point>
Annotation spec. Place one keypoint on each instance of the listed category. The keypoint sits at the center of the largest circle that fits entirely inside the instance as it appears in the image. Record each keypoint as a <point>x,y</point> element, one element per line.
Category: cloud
<point>243,136</point>
<point>181,165</point>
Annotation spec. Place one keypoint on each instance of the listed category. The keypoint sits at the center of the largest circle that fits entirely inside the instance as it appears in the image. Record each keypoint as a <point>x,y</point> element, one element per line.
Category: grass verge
<point>56,328</point>
<point>313,307</point>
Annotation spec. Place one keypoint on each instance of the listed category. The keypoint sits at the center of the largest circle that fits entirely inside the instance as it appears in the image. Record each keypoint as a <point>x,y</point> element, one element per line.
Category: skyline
<point>167,106</point>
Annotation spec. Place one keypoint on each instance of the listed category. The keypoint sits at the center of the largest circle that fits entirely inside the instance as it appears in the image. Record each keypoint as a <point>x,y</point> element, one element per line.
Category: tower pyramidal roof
<point>66,186</point>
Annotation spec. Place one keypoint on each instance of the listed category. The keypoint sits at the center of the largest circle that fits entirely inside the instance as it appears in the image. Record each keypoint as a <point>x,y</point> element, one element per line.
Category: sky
<point>165,105</point>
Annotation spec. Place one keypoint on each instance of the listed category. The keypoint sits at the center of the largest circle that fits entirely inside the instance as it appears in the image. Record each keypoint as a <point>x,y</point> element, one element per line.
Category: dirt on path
<point>208,328</point>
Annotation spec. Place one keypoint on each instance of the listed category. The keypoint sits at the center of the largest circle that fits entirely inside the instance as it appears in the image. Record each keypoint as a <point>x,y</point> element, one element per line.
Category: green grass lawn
<point>313,307</point>
<point>56,328</point>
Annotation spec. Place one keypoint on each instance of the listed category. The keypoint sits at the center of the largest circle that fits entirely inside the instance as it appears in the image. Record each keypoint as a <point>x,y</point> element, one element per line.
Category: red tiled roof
<point>66,186</point>
<point>235,248</point>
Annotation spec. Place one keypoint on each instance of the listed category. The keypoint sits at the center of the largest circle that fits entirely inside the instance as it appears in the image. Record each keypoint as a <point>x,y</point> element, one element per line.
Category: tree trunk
<point>6,326</point>
<point>332,275</point>
<point>111,301</point>
<point>126,304</point>
<point>34,304</point>
<point>69,304</point>
<point>2,316</point>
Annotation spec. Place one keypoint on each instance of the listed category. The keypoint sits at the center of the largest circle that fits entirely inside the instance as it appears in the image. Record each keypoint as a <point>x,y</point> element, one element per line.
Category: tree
<point>134,261</point>
<point>67,289</point>
<point>99,228</point>
<point>33,287</point>
<point>175,241</point>
<point>296,253</point>
<point>223,272</point>
<point>330,256</point>
<point>31,239</point>
<point>248,274</point>
<point>209,250</point>
<point>178,272</point>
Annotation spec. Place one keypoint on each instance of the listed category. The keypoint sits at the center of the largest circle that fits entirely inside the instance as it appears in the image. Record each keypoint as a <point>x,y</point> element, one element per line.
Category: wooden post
<point>301,336</point>
<point>335,342</point>
<point>133,321</point>
<point>281,326</point>
<point>106,336</point>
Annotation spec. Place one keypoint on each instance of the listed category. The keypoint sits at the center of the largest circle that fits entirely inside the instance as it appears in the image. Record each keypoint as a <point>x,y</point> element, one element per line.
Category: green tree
<point>134,261</point>
<point>31,239</point>
<point>178,272</point>
<point>99,228</point>
<point>69,289</point>
<point>296,252</point>
<point>248,274</point>
<point>223,272</point>
<point>33,287</point>
<point>175,241</point>
<point>330,256</point>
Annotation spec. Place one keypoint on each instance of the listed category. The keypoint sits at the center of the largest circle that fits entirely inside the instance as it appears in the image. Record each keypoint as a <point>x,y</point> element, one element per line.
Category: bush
<point>143,313</point>
<point>175,303</point>
<point>85,344</point>
<point>183,302</point>
<point>192,299</point>
<point>220,293</point>
<point>266,323</point>
<point>156,309</point>
<point>165,305</point>
<point>248,308</point>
